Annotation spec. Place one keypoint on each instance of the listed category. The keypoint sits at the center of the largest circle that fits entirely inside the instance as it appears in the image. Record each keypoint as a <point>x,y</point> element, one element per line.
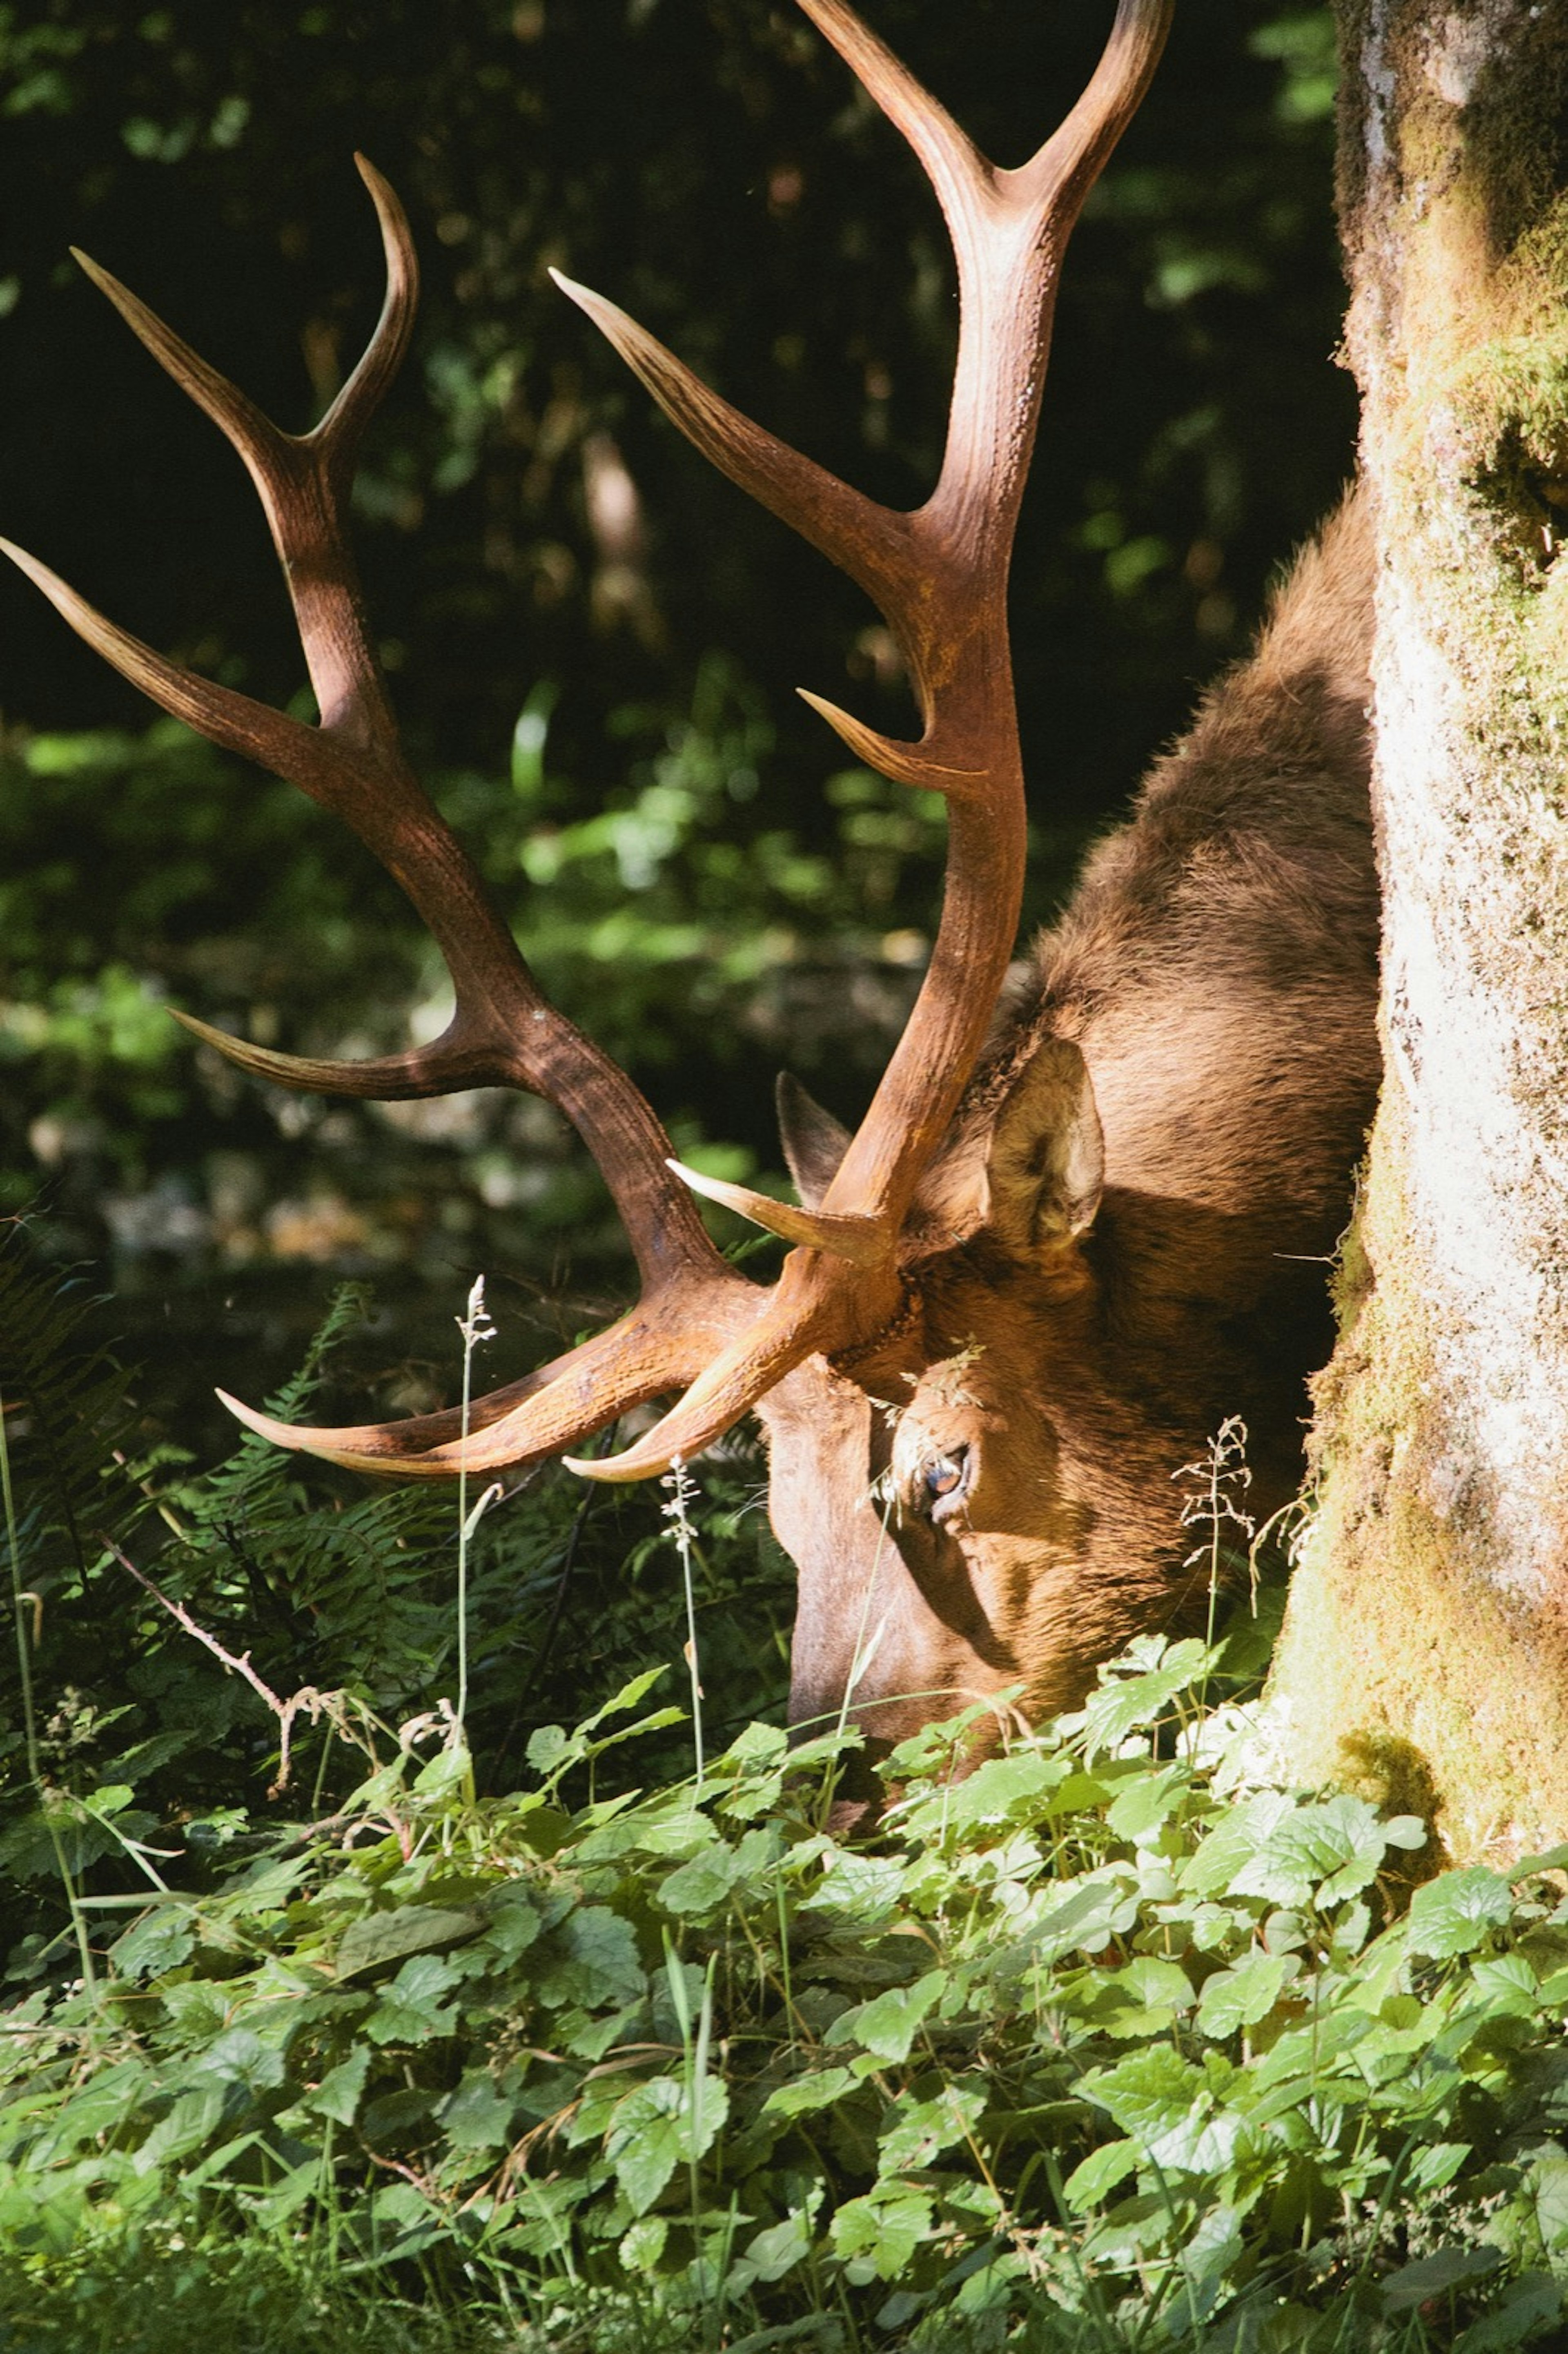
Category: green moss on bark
<point>1425,1655</point>
<point>1404,1672</point>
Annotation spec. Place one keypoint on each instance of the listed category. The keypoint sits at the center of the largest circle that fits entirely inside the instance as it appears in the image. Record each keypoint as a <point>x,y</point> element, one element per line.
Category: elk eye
<point>945,1478</point>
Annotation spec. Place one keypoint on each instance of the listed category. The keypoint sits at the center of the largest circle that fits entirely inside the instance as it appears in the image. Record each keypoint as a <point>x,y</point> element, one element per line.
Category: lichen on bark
<point>1426,1639</point>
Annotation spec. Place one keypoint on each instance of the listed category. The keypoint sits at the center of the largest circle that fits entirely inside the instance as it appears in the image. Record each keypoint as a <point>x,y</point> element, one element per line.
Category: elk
<point>1081,1220</point>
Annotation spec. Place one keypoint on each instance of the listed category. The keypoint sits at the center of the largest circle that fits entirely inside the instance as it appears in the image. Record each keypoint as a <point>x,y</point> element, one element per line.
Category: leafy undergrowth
<point>1113,2045</point>
<point>1100,2048</point>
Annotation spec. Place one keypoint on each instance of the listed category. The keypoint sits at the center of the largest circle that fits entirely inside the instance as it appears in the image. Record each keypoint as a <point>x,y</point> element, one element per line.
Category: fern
<point>69,1420</point>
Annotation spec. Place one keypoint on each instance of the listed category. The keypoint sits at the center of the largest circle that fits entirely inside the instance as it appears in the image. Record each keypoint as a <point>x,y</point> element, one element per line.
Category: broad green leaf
<point>1506,1983</point>
<point>665,1827</point>
<point>1150,1980</point>
<point>1012,1789</point>
<point>448,1771</point>
<point>804,2095</point>
<point>477,2117</point>
<point>756,1749</point>
<point>1546,2181</point>
<point>879,2232</point>
<point>547,1746</point>
<point>779,2247</point>
<point>240,2056</point>
<point>1148,2092</point>
<point>1204,2142</point>
<point>1434,2275</point>
<point>922,2130</point>
<point>660,2124</point>
<point>758,1760</point>
<point>409,2008</point>
<point>1148,1801</point>
<point>512,1921</point>
<point>642,2245</point>
<point>710,1878</point>
<point>1323,1853</point>
<point>1436,2164</point>
<point>595,1961</point>
<point>381,1937</point>
<point>1099,2173</point>
<point>703,1883</point>
<point>1458,1912</point>
<point>1235,1837</point>
<point>644,2142</point>
<point>160,1940</point>
<point>888,2024</point>
<point>1241,1996</point>
<point>1142,1999</point>
<point>1102,1906</point>
<point>192,2119</point>
<point>109,1800</point>
<point>1124,1703</point>
<point>339,2092</point>
<point>863,1889</point>
<point>1169,2108</point>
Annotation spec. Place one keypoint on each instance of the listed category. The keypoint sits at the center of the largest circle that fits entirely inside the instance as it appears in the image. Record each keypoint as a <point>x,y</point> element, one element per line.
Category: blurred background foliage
<point>592,639</point>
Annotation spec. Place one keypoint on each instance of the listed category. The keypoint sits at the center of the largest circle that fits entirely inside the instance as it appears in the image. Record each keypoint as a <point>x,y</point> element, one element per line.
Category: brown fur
<point>1090,1296</point>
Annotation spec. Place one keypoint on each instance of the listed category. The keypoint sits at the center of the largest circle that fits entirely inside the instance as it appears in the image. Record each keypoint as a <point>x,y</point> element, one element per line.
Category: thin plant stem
<point>475,1327</point>
<point>683,1492</point>
<point>21,1599</point>
<point>1222,1477</point>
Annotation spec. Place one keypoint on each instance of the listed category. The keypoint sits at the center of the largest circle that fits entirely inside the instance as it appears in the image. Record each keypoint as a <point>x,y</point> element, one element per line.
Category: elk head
<point>924,1489</point>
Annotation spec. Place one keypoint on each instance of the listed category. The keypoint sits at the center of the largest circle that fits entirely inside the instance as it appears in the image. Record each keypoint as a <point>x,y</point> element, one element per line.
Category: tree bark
<point>1425,1649</point>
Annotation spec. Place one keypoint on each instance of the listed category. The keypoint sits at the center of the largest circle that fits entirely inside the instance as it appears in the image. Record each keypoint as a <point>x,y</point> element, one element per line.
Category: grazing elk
<point>1064,1241</point>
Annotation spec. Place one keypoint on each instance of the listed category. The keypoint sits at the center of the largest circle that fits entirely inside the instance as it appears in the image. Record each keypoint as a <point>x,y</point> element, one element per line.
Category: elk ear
<point>814,1141</point>
<point>1045,1162</point>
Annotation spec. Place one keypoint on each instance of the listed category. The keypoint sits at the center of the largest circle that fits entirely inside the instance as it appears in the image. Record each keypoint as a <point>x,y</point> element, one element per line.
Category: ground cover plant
<point>1113,2044</point>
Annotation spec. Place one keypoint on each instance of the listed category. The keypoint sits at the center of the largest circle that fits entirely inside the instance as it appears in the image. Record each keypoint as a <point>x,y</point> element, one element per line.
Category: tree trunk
<point>1425,1649</point>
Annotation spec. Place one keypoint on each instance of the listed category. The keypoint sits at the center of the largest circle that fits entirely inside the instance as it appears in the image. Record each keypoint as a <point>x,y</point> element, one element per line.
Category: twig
<point>308,1700</point>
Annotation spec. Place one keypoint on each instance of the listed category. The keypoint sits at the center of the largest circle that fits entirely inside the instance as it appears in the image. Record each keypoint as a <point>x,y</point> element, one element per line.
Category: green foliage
<point>340,1602</point>
<point>1109,2045</point>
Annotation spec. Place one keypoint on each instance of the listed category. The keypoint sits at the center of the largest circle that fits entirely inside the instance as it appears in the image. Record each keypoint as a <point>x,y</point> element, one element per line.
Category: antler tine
<point>1065,167</point>
<point>661,1345</point>
<point>387,809</point>
<point>950,158</point>
<point>302,480</point>
<point>340,429</point>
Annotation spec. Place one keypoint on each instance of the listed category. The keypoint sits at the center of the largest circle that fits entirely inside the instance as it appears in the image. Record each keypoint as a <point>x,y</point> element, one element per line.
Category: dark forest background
<point>592,639</point>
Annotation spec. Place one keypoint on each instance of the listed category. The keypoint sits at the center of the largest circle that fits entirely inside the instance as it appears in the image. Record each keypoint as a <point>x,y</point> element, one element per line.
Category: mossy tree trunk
<point>1425,1649</point>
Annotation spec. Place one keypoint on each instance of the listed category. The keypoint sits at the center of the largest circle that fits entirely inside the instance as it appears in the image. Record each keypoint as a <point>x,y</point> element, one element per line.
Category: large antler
<point>939,578</point>
<point>503,1031</point>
